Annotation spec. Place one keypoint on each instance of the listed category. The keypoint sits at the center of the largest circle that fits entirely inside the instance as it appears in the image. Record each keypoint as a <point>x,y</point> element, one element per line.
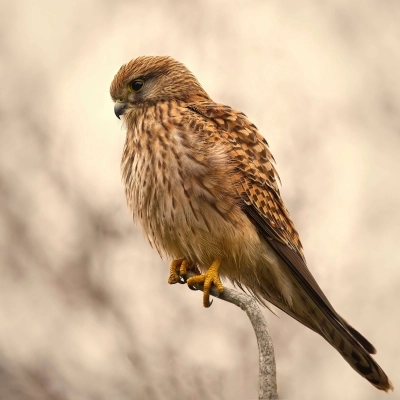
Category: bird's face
<point>147,80</point>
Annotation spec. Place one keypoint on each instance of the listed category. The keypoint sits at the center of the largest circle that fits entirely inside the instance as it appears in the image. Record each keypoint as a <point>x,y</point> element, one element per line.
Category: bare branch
<point>267,389</point>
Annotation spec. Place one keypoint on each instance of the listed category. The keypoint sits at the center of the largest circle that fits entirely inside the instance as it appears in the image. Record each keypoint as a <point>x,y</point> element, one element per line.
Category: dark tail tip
<point>385,386</point>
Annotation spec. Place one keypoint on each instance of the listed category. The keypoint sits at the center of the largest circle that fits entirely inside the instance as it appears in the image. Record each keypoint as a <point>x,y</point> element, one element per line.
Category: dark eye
<point>136,85</point>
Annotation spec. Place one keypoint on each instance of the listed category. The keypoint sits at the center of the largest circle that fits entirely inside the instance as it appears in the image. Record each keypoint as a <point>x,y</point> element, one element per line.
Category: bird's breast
<point>181,187</point>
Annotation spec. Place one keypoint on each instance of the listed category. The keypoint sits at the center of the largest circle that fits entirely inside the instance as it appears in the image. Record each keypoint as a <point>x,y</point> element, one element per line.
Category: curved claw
<point>192,287</point>
<point>209,305</point>
<point>173,279</point>
<point>178,271</point>
<point>211,277</point>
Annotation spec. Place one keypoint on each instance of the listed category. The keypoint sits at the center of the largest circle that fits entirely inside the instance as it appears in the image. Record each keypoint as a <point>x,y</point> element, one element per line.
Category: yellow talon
<point>185,264</point>
<point>209,278</point>
<point>176,266</point>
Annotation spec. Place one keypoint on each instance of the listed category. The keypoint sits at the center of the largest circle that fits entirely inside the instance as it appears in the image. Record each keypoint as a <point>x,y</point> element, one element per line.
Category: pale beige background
<point>85,310</point>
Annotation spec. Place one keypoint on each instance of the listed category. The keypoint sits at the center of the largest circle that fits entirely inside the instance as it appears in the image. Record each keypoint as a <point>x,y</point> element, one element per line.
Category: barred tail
<point>355,349</point>
<point>353,346</point>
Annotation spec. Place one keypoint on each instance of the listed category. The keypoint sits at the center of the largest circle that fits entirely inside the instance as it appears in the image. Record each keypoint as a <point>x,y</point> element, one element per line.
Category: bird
<point>201,181</point>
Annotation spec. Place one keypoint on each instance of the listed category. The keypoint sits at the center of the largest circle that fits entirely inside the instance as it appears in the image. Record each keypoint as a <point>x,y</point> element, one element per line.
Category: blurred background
<point>85,308</point>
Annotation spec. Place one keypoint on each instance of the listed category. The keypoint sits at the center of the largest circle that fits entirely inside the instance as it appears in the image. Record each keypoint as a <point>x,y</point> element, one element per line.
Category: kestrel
<point>201,181</point>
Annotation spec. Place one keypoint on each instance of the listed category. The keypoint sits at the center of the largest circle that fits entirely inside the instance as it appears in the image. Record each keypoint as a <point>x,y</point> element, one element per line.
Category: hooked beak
<point>119,109</point>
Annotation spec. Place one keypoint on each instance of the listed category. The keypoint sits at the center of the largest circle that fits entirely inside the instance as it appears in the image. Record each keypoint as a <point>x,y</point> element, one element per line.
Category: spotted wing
<point>259,189</point>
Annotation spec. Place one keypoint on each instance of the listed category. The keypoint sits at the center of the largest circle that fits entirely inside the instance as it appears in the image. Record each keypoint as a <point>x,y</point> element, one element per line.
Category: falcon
<point>201,181</point>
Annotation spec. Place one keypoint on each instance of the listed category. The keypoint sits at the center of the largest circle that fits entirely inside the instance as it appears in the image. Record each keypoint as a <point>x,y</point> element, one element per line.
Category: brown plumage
<point>201,181</point>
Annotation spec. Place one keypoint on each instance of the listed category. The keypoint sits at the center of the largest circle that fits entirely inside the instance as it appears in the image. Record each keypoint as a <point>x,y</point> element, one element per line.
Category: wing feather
<point>263,204</point>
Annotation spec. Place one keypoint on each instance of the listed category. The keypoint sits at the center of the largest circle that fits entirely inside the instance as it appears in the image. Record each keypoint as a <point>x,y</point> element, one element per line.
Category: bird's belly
<point>182,221</point>
<point>205,235</point>
<point>192,228</point>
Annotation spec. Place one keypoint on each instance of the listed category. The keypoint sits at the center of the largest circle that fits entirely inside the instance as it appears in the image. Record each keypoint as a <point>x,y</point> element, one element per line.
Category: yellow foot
<point>178,270</point>
<point>209,278</point>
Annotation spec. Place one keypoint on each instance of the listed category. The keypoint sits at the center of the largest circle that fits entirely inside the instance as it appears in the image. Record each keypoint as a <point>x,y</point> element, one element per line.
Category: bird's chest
<point>179,188</point>
<point>151,176</point>
<point>164,175</point>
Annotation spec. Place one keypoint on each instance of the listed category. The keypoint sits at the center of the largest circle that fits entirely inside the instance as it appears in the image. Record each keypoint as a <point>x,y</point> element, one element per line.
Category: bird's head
<point>153,79</point>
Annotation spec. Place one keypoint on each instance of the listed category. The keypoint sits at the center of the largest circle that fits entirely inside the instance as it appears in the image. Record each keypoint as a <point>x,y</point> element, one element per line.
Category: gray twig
<point>267,388</point>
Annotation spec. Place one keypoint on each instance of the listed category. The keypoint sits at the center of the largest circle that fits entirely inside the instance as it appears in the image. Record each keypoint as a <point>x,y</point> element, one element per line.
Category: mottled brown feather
<point>264,206</point>
<point>201,181</point>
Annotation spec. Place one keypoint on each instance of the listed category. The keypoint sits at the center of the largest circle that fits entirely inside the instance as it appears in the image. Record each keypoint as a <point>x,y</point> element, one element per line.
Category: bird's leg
<point>209,278</point>
<point>178,271</point>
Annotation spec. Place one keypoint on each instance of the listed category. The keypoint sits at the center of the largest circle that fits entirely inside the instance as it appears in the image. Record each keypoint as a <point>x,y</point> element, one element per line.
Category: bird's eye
<point>136,85</point>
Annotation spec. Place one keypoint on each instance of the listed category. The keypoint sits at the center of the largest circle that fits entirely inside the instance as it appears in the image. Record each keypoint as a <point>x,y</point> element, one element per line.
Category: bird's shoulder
<point>259,183</point>
<point>248,145</point>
